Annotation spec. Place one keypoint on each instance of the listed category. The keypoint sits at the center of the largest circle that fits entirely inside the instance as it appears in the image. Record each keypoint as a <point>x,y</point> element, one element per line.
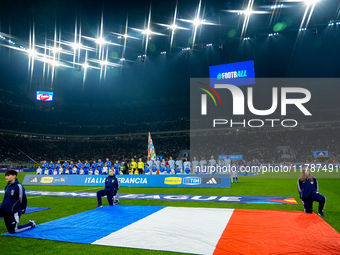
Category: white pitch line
<point>86,189</point>
<point>68,191</point>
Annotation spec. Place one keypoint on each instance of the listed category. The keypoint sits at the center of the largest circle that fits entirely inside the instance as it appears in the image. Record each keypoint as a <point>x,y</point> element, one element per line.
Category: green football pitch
<point>259,185</point>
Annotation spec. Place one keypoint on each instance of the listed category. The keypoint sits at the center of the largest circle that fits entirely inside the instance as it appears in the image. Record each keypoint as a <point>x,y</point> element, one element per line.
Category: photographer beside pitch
<point>14,204</point>
<point>309,192</point>
<point>110,190</point>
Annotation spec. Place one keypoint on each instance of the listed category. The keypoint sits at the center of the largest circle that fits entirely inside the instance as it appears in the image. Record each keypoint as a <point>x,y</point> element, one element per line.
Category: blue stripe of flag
<point>90,226</point>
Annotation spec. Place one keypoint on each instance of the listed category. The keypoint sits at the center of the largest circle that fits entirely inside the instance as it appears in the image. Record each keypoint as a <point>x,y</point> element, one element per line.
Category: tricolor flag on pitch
<point>210,231</point>
<point>151,149</point>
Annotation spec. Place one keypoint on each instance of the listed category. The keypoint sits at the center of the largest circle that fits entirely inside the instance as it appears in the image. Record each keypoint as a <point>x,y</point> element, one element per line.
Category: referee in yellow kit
<point>140,166</point>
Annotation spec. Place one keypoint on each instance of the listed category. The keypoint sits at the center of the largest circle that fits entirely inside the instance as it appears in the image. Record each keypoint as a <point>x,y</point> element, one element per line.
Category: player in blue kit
<point>168,169</point>
<point>187,170</point>
<point>179,164</point>
<point>44,166</point>
<point>79,166</point>
<point>162,169</point>
<point>14,204</point>
<point>110,190</point>
<point>51,168</point>
<point>186,163</point>
<point>158,163</point>
<point>94,166</point>
<point>309,192</point>
<point>178,170</point>
<point>70,167</point>
<point>195,164</point>
<point>117,167</point>
<point>65,166</point>
<point>147,170</point>
<point>58,165</point>
<point>150,163</point>
<point>108,164</point>
<point>86,167</point>
<point>154,169</point>
<point>100,166</point>
<point>171,163</point>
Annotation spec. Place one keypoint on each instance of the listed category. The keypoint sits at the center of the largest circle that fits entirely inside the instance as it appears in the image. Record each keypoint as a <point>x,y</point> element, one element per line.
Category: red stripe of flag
<point>277,232</point>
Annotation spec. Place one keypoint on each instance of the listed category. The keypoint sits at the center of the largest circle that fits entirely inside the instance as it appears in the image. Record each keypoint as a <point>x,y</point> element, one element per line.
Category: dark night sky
<point>161,78</point>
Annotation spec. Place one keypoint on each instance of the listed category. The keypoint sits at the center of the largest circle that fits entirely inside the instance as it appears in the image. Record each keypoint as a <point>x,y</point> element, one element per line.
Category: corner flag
<point>151,149</point>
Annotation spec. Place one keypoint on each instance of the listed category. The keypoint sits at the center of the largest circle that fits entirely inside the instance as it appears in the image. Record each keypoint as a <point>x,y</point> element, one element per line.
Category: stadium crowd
<point>253,145</point>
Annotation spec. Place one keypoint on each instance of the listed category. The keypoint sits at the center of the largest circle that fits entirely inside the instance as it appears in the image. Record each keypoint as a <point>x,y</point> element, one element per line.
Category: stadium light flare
<point>173,27</point>
<point>197,22</point>
<point>76,46</point>
<point>276,6</point>
<point>146,32</point>
<point>248,12</point>
<point>54,62</point>
<point>57,49</point>
<point>104,62</point>
<point>333,22</point>
<point>311,2</point>
<point>100,41</point>
<point>122,59</point>
<point>246,38</point>
<point>32,53</point>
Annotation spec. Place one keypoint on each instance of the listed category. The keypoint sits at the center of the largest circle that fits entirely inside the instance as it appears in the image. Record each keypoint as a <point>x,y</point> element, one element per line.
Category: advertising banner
<point>206,180</point>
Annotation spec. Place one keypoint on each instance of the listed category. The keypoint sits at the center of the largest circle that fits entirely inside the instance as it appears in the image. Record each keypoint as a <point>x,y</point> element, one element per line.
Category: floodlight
<point>76,46</point>
<point>31,52</point>
<point>146,32</point>
<point>100,40</point>
<point>56,49</point>
<point>311,2</point>
<point>104,62</point>
<point>248,12</point>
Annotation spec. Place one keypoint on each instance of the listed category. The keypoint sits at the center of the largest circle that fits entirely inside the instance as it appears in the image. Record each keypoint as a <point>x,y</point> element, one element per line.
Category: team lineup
<point>163,166</point>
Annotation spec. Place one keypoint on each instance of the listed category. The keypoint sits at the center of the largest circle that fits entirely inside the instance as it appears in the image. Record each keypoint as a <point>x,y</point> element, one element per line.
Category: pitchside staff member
<point>14,204</point>
<point>309,192</point>
<point>110,191</point>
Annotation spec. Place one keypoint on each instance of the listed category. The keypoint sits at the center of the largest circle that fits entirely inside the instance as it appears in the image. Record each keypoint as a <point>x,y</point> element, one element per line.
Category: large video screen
<point>44,96</point>
<point>238,74</point>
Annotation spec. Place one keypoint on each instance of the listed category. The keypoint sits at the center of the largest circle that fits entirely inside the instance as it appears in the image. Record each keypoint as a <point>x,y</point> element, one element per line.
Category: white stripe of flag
<point>168,229</point>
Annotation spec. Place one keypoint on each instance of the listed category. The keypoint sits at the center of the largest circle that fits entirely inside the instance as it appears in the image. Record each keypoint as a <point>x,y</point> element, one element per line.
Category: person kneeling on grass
<point>14,204</point>
<point>309,192</point>
<point>110,191</point>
